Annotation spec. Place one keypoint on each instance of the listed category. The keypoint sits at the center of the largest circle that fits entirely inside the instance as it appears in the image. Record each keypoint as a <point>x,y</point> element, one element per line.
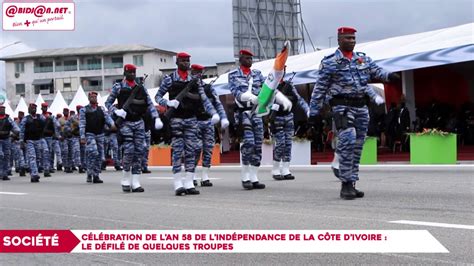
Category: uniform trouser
<point>33,149</point>
<point>74,157</point>
<point>283,131</point>
<point>252,139</point>
<point>183,141</point>
<point>94,151</point>
<point>205,142</point>
<point>5,151</point>
<point>146,149</point>
<point>112,145</point>
<point>350,142</point>
<point>48,143</point>
<point>19,155</point>
<point>65,152</point>
<point>83,154</point>
<point>57,151</point>
<point>133,137</point>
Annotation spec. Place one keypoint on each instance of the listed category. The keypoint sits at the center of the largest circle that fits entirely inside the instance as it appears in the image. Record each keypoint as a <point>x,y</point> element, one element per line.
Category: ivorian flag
<point>266,96</point>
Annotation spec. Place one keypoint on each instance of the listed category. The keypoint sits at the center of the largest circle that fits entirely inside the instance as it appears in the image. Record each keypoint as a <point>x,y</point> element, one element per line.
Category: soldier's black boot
<point>59,167</point>
<point>118,168</point>
<point>180,191</point>
<point>278,177</point>
<point>89,178</point>
<point>195,183</point>
<point>97,180</point>
<point>289,177</point>
<point>146,171</point>
<point>17,169</point>
<point>5,178</point>
<point>9,172</point>
<point>40,170</point>
<point>73,169</point>
<point>22,172</point>
<point>52,170</point>
<point>35,179</point>
<point>247,185</point>
<point>67,170</point>
<point>81,170</point>
<point>103,166</point>
<point>359,193</point>
<point>347,191</point>
<point>192,191</point>
<point>206,183</point>
<point>47,174</point>
<point>258,185</point>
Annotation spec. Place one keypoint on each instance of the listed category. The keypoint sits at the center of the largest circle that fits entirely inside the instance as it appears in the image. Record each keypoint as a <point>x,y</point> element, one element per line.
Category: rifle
<point>130,99</point>
<point>182,94</point>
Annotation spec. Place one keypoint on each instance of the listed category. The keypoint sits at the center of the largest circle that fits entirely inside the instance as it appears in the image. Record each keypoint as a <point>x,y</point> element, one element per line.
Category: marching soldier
<point>283,128</point>
<point>51,130</point>
<point>245,84</point>
<point>92,120</point>
<point>133,103</point>
<point>72,128</point>
<point>7,125</point>
<point>185,96</point>
<point>65,135</point>
<point>111,145</point>
<point>205,131</point>
<point>342,80</point>
<point>31,131</point>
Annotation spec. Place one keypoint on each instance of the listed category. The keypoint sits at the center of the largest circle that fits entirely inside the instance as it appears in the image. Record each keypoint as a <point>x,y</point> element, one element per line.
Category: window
<point>67,85</point>
<point>138,60</point>
<point>20,89</point>
<point>161,59</point>
<point>117,60</point>
<point>19,67</point>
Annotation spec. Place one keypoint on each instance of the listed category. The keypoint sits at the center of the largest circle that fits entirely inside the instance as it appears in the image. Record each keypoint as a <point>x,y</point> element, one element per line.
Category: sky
<point>204,28</point>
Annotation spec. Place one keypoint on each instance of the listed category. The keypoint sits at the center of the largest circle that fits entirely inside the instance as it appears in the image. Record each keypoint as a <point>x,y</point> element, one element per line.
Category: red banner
<point>37,241</point>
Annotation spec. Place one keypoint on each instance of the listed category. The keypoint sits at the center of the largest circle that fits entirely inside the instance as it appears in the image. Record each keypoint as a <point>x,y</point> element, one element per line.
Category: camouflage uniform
<point>31,131</point>
<point>6,126</point>
<point>343,83</point>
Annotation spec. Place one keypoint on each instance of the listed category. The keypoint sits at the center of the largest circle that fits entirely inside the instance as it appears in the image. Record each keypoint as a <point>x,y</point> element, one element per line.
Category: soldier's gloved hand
<point>394,77</point>
<point>275,107</point>
<point>249,97</point>
<point>281,99</point>
<point>224,123</point>
<point>215,119</point>
<point>158,123</point>
<point>173,103</point>
<point>121,113</point>
<point>379,100</point>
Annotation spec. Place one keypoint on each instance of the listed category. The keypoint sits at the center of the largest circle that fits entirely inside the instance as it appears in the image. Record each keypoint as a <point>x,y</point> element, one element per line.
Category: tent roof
<point>22,106</point>
<point>80,98</point>
<point>433,48</point>
<point>58,104</point>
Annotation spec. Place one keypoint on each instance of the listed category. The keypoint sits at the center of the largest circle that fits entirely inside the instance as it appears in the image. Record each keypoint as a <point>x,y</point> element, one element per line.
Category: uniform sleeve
<point>108,119</point>
<point>22,129</point>
<point>151,107</point>
<point>57,128</point>
<point>218,105</point>
<point>206,102</point>
<point>377,72</point>
<point>234,85</point>
<point>15,127</point>
<point>112,96</point>
<point>320,89</point>
<point>300,99</point>
<point>82,123</point>
<point>164,87</point>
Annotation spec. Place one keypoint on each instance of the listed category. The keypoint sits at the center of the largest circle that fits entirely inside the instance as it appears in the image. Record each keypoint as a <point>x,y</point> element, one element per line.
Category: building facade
<point>95,68</point>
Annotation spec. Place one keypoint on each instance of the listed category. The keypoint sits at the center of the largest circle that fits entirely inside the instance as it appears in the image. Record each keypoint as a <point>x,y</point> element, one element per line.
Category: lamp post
<point>8,45</point>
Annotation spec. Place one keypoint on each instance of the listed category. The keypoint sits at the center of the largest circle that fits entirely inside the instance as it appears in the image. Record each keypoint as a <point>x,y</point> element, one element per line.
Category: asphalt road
<point>311,202</point>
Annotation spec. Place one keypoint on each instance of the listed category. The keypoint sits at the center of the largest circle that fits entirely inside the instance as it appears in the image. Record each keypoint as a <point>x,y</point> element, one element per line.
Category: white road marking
<point>13,193</point>
<point>171,178</point>
<point>457,226</point>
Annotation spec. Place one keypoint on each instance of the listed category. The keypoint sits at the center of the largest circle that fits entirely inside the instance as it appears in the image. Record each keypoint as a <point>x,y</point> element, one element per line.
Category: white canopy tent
<point>433,48</point>
<point>38,102</point>
<point>22,106</point>
<point>8,109</point>
<point>58,104</point>
<point>101,100</point>
<point>80,98</point>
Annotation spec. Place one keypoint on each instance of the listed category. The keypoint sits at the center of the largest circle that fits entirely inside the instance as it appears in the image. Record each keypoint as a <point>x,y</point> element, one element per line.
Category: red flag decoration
<point>37,241</point>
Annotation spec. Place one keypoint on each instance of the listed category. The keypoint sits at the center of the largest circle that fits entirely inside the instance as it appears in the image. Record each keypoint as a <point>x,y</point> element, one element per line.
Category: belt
<point>346,101</point>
